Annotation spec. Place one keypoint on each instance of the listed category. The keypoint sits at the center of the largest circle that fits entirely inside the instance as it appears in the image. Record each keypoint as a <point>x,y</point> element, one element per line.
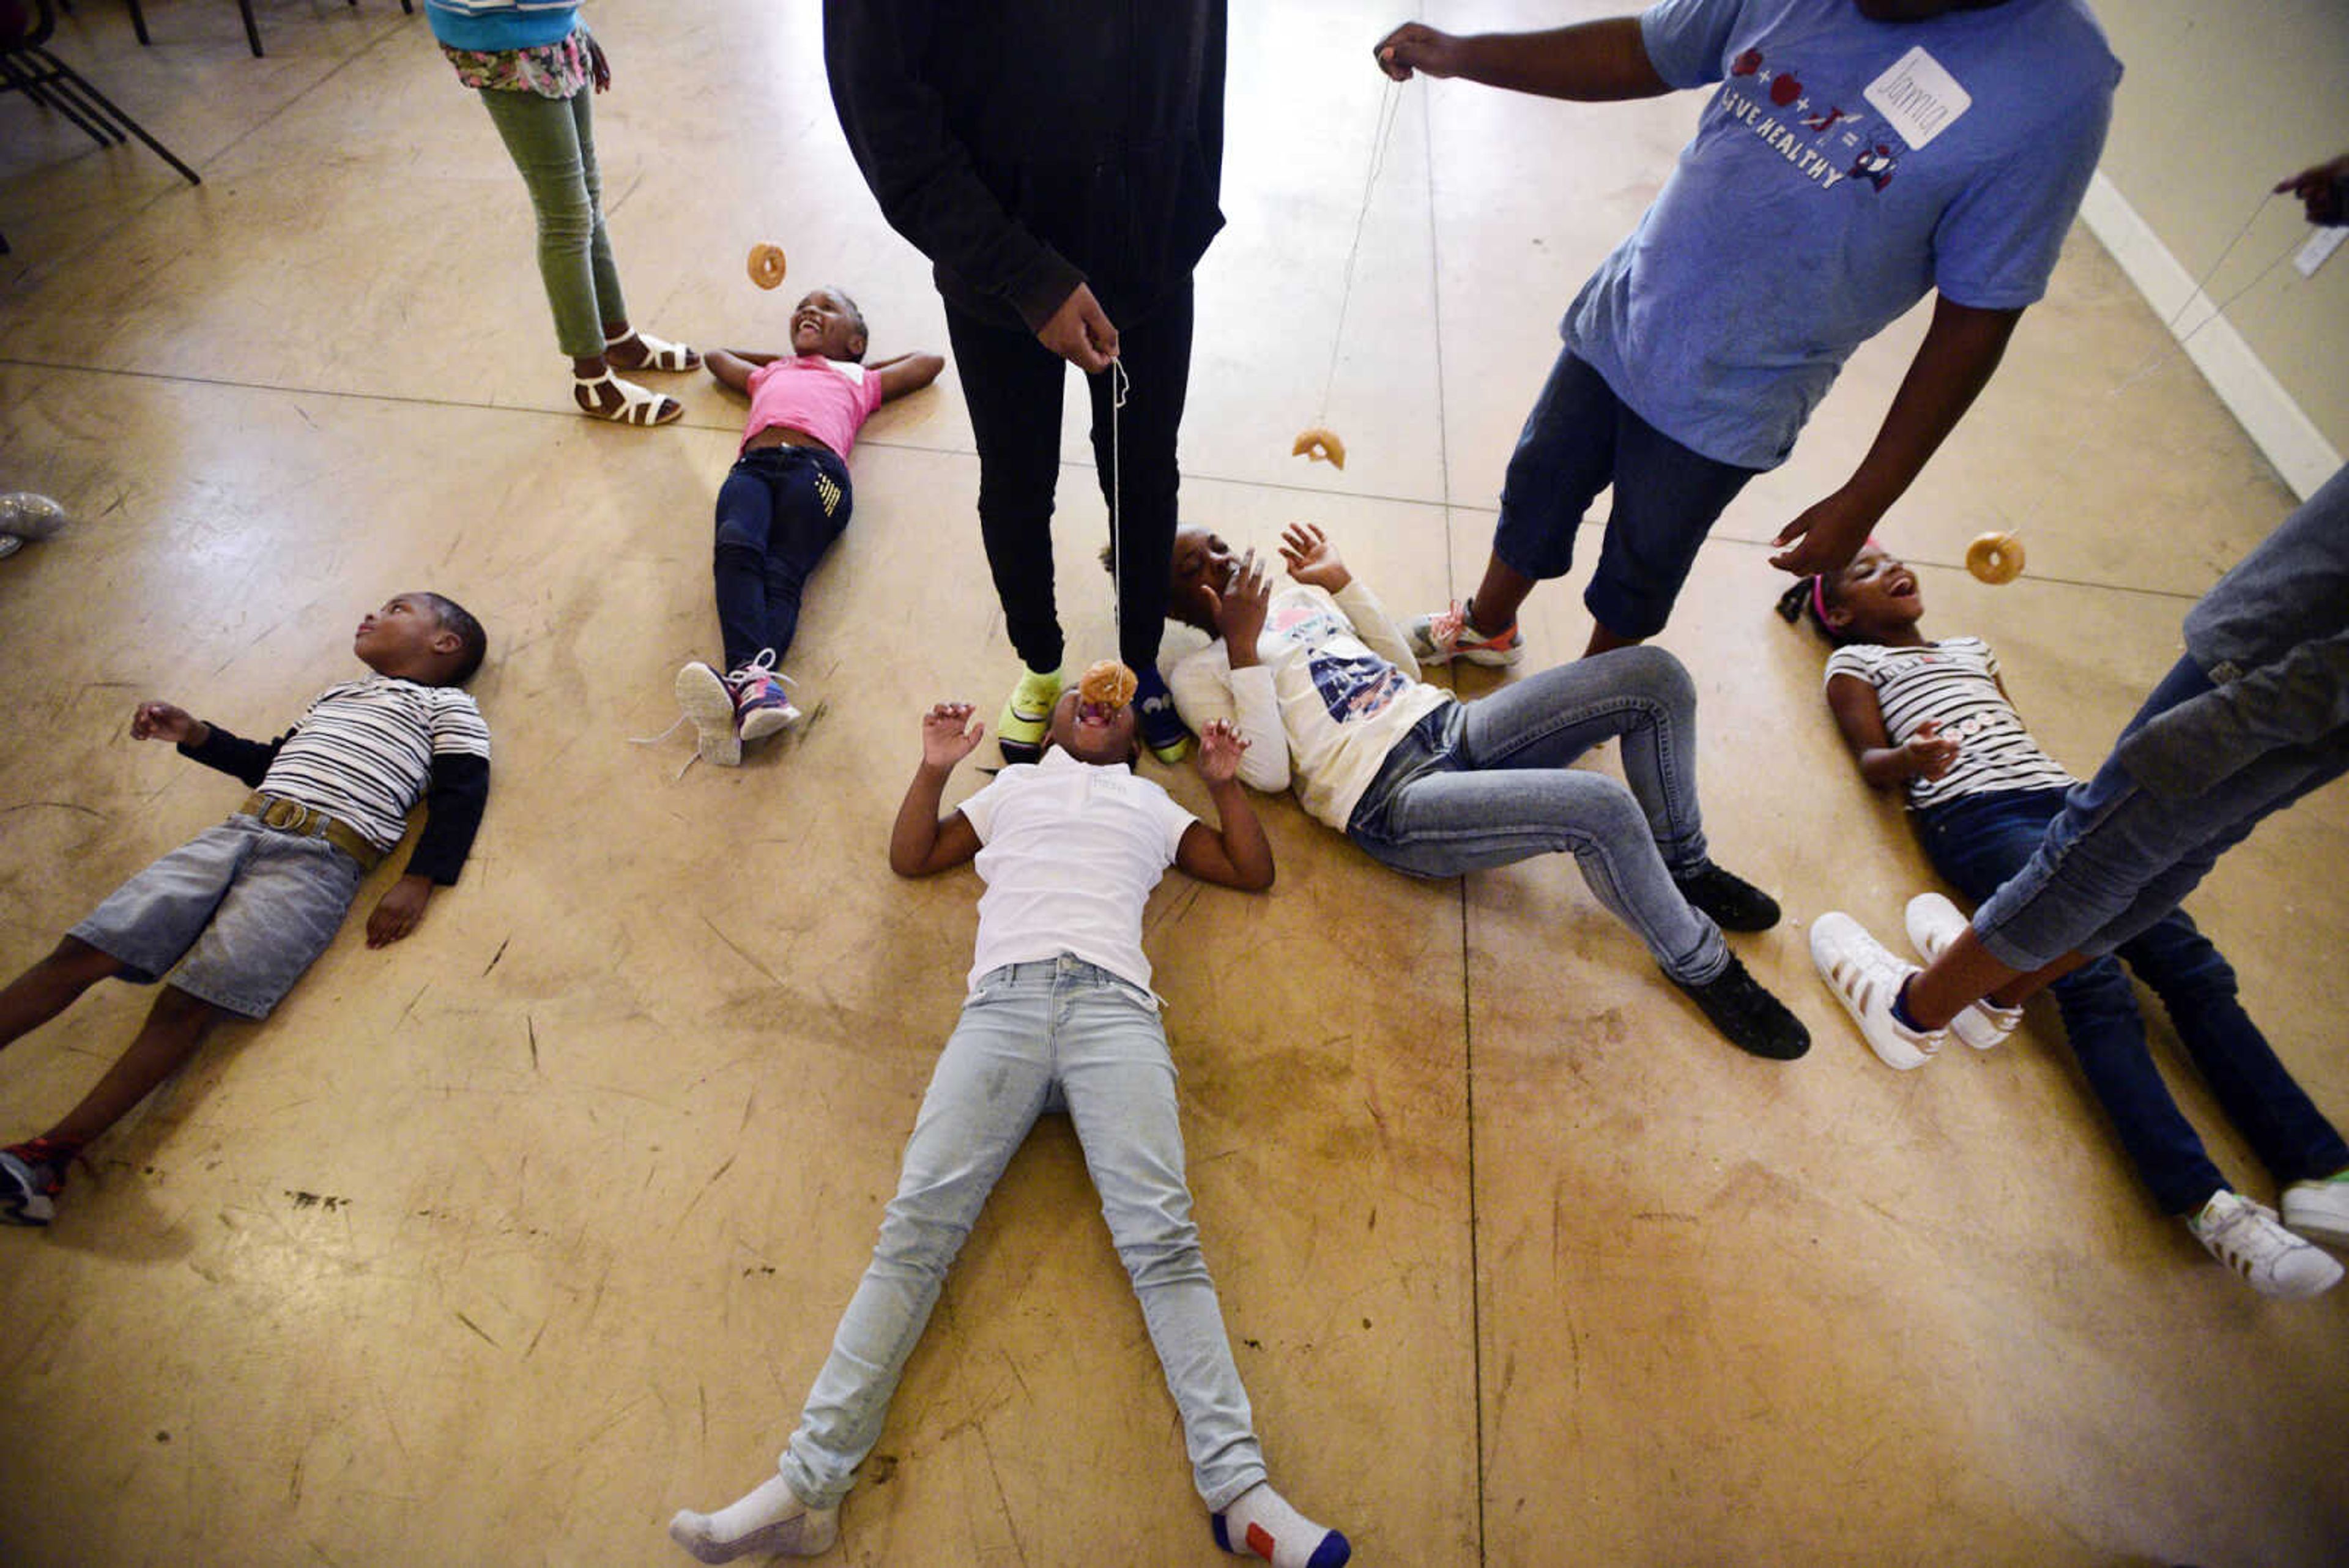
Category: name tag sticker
<point>1918,97</point>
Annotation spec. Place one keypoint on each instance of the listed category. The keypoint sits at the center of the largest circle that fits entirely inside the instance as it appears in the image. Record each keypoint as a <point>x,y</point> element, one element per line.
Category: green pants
<point>553,142</point>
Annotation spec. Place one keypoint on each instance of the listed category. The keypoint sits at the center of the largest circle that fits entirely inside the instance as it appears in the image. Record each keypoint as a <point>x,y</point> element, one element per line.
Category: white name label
<point>1919,98</point>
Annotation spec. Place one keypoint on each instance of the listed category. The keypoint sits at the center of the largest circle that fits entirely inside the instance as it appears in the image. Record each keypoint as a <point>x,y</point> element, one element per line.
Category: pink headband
<point>1819,585</point>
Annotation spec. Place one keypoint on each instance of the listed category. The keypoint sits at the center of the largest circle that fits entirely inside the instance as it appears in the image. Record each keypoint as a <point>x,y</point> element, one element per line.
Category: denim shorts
<point>247,907</point>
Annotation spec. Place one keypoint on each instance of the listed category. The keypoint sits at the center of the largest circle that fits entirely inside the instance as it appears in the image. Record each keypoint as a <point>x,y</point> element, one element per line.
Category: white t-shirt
<point>1955,681</point>
<point>1070,853</point>
<point>1336,689</point>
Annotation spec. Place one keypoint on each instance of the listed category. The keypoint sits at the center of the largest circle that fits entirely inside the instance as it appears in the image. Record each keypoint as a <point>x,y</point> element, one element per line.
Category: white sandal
<point>638,405</point>
<point>660,354</point>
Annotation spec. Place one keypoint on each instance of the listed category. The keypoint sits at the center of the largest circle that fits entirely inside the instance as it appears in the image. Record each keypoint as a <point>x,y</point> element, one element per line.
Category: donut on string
<point>1995,558</point>
<point>1320,444</point>
<point>1107,684</point>
<point>766,265</point>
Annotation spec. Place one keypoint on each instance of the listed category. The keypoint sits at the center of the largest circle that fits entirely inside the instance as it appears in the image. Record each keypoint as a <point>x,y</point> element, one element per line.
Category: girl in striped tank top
<point>1934,719</point>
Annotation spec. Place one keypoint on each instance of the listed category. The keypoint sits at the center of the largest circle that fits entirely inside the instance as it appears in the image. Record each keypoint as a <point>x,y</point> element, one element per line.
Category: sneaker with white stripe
<point>2249,1238</point>
<point>1933,924</point>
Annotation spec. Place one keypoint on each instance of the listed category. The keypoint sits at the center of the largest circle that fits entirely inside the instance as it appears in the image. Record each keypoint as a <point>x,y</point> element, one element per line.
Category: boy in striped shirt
<point>244,908</point>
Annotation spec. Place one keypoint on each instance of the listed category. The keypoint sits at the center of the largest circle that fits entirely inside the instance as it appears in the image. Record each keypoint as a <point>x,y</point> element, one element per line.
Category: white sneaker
<point>703,697</point>
<point>1933,924</point>
<point>2320,1209</point>
<point>1866,978</point>
<point>2248,1239</point>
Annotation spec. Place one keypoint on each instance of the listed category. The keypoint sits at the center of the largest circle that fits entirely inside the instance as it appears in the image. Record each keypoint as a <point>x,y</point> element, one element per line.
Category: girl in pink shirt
<point>785,502</point>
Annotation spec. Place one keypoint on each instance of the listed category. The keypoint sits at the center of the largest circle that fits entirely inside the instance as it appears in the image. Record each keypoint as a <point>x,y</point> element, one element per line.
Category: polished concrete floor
<point>501,1244</point>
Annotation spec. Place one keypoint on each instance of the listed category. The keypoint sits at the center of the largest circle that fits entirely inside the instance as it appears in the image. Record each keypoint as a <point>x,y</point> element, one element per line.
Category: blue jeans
<point>1578,439</point>
<point>1488,782</point>
<point>1059,1034</point>
<point>2119,858</point>
<point>1976,843</point>
<point>777,512</point>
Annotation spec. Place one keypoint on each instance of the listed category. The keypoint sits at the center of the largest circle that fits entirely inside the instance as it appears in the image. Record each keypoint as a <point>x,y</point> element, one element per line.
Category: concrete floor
<point>501,1244</point>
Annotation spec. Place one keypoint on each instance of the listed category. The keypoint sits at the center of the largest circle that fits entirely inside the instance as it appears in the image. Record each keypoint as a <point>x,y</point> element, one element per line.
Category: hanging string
<point>1118,384</point>
<point>1390,111</point>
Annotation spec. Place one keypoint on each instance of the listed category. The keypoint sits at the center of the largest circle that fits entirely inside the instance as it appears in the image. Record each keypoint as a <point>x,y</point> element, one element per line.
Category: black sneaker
<point>1754,1021</point>
<point>1736,905</point>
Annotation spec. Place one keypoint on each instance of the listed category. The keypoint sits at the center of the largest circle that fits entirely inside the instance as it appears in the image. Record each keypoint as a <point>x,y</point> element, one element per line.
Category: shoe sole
<point>1931,945</point>
<point>701,693</point>
<point>2315,1230</point>
<point>1859,1013</point>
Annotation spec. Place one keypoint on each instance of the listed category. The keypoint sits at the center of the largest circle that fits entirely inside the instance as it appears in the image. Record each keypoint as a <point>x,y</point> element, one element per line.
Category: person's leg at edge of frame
<point>1119,1081</point>
<point>1012,388</point>
<point>1155,352</point>
<point>52,985</point>
<point>991,1082</point>
<point>1666,499</point>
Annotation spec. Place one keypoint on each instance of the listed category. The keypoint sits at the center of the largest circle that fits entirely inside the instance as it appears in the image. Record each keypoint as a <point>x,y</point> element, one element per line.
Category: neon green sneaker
<point>1027,716</point>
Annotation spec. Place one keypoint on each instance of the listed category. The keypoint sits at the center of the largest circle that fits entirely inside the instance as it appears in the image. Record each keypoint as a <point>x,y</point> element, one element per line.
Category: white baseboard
<point>2288,437</point>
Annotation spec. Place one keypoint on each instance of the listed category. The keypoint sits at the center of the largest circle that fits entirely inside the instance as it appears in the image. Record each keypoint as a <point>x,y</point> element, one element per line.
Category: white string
<point>1390,111</point>
<point>1117,385</point>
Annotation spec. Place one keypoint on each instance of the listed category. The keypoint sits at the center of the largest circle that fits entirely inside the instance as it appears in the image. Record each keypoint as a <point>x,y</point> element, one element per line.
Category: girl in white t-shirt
<point>1934,719</point>
<point>1327,692</point>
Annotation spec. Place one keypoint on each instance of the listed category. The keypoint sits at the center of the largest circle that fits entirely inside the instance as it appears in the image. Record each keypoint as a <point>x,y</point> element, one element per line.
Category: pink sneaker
<point>760,707</point>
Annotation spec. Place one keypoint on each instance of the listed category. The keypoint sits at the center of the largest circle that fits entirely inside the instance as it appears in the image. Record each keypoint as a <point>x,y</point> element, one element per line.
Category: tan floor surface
<point>501,1244</point>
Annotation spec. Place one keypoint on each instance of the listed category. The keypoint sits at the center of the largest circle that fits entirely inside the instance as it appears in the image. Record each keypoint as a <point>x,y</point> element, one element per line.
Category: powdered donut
<point>1108,684</point>
<point>1321,445</point>
<point>767,265</point>
<point>1995,558</point>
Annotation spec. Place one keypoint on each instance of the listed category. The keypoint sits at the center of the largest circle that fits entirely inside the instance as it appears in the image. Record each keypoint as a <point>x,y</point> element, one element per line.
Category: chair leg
<point>252,28</point>
<point>68,73</point>
<point>60,98</point>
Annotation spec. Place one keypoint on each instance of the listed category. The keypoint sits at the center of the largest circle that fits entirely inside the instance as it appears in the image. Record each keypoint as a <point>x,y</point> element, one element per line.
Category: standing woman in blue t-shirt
<point>533,64</point>
<point>1856,156</point>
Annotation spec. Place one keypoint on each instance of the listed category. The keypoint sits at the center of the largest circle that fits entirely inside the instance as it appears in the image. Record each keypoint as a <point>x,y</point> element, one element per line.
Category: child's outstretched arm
<point>1927,754</point>
<point>1236,855</point>
<point>904,373</point>
<point>923,843</point>
<point>732,367</point>
<point>247,760</point>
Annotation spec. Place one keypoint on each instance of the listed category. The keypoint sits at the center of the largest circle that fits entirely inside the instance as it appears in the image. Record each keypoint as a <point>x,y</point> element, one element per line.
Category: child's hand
<point>1413,46</point>
<point>399,910</point>
<point>163,721</point>
<point>1221,746</point>
<point>1239,613</point>
<point>945,739</point>
<point>1312,559</point>
<point>1931,753</point>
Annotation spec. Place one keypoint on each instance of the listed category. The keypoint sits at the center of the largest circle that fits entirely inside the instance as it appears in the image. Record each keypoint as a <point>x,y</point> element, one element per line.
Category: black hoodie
<point>1028,146</point>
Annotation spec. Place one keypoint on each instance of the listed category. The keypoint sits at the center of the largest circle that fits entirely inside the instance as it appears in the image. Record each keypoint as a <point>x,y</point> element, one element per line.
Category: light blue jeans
<point>1488,782</point>
<point>1059,1034</point>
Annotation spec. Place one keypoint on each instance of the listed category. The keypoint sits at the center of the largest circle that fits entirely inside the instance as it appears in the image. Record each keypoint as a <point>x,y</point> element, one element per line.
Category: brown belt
<point>293,817</point>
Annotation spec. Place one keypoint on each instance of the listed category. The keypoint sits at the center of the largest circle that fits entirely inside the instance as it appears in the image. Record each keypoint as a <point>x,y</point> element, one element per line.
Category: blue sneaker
<point>1162,727</point>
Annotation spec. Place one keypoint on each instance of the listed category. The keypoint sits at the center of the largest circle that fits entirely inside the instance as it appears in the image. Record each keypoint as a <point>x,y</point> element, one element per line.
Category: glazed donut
<point>766,265</point>
<point>1995,558</point>
<point>1321,445</point>
<point>1108,684</point>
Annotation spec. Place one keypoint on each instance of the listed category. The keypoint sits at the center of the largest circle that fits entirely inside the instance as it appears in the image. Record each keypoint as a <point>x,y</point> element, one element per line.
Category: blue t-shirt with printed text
<point>1844,168</point>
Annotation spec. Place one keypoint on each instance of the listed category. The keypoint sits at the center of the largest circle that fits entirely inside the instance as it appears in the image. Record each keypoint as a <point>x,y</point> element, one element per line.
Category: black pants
<point>777,512</point>
<point>1012,385</point>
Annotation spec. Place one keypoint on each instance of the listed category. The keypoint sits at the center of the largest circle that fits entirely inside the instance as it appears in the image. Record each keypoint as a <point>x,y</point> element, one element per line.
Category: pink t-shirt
<point>827,398</point>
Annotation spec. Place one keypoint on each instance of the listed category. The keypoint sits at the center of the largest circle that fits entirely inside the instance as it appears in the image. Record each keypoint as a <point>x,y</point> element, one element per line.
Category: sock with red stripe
<point>1260,1523</point>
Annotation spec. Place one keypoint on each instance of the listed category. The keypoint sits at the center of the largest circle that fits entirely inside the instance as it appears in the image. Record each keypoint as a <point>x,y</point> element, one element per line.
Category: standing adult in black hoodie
<point>1058,160</point>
